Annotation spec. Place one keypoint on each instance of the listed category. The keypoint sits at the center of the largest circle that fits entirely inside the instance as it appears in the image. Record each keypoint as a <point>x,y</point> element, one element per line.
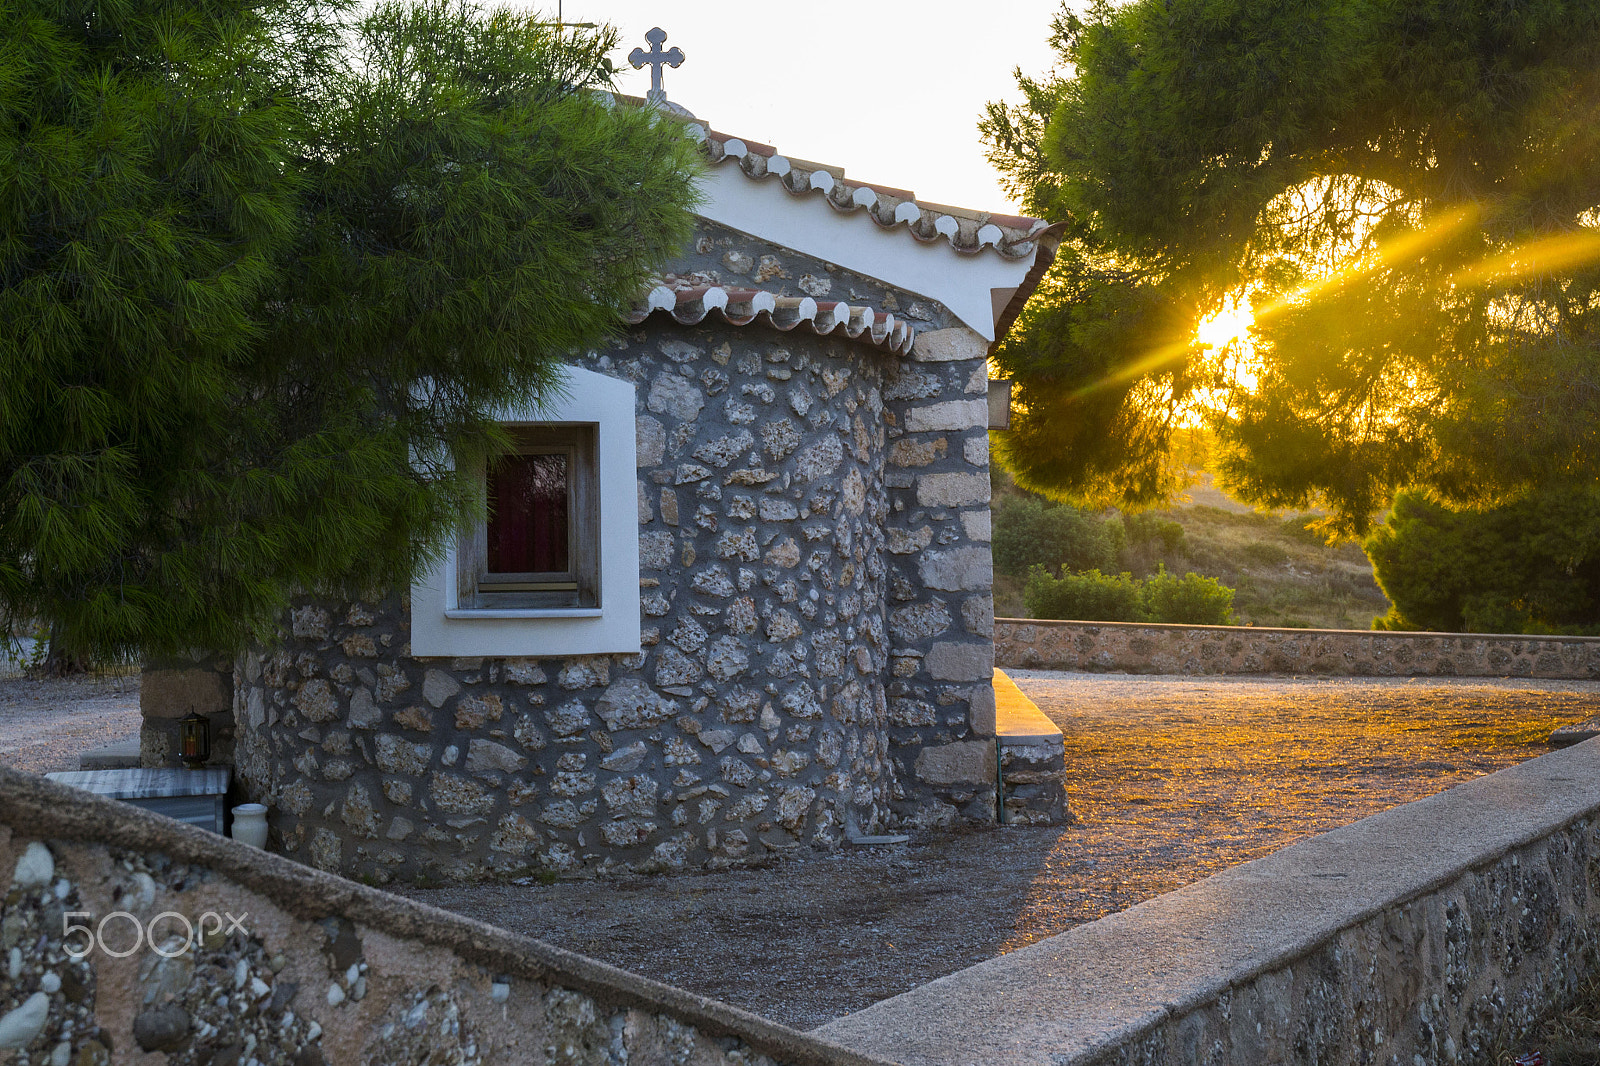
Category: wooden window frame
<point>579,585</point>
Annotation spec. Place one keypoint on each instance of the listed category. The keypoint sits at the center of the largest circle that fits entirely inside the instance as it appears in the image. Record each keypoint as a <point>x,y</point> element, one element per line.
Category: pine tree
<point>262,266</point>
<point>1405,192</point>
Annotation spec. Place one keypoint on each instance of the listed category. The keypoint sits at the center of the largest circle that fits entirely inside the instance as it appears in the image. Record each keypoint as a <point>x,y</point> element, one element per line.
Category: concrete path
<point>46,725</point>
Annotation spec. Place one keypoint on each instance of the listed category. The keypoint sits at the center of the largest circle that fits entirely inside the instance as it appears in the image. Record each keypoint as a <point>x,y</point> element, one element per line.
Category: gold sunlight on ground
<point>1177,778</point>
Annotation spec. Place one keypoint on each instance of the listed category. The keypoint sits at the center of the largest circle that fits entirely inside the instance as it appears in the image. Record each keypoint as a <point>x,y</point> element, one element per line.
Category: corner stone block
<point>960,662</point>
<point>916,453</point>
<point>952,490</point>
<point>155,747</point>
<point>950,415</point>
<point>174,693</point>
<point>958,570</point>
<point>966,762</point>
<point>977,525</point>
<point>981,708</point>
<point>949,345</point>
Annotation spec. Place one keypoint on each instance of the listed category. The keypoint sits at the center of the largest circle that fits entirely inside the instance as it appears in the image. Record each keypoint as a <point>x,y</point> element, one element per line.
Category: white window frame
<point>440,626</point>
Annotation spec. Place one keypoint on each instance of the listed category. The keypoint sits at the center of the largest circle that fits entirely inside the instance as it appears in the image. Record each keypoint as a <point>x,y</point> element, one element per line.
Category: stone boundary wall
<point>1150,648</point>
<point>1414,937</point>
<point>319,970</point>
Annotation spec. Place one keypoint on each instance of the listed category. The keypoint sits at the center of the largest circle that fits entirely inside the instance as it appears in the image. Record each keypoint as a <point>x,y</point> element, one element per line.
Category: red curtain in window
<point>528,503</point>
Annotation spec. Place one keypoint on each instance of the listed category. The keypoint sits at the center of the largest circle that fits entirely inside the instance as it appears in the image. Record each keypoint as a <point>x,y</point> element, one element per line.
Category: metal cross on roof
<point>657,59</point>
<point>561,22</point>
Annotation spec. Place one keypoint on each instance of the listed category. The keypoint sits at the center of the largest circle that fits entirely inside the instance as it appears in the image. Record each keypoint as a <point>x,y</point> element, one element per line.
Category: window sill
<point>469,613</point>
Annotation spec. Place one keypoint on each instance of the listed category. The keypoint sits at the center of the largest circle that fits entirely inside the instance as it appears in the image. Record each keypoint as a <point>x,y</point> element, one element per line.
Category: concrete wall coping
<point>32,806</point>
<point>1172,627</point>
<point>1017,719</point>
<point>1077,995</point>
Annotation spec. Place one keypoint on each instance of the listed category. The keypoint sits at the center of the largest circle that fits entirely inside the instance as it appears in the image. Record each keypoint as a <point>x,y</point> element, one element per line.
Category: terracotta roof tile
<point>741,307</point>
<point>965,230</point>
<point>755,146</point>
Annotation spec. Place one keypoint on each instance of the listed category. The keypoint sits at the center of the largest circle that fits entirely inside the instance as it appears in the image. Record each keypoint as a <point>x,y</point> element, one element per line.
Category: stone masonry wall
<point>255,959</point>
<point>1138,648</point>
<point>816,622</point>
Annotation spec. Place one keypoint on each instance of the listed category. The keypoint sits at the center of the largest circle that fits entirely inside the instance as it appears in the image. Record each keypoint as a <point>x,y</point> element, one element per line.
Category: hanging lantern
<point>195,740</point>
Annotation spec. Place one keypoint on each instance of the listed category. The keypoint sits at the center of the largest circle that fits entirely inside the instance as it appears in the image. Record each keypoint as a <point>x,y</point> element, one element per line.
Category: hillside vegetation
<point>1282,573</point>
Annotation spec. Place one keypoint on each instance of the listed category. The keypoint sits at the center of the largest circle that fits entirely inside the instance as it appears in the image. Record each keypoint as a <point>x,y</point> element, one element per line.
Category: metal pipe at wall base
<point>999,785</point>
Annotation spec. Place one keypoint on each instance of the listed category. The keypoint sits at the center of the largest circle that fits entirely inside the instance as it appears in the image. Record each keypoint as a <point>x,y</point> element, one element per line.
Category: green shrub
<point>1529,566</point>
<point>1029,532</point>
<point>1188,600</point>
<point>1151,528</point>
<point>1097,597</point>
<point>1087,597</point>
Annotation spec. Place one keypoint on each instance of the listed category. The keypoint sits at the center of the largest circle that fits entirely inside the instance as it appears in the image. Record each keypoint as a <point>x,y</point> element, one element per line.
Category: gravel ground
<point>1170,778</point>
<point>46,725</point>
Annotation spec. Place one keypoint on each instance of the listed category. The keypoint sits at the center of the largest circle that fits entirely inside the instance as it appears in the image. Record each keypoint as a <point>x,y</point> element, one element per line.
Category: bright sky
<point>891,90</point>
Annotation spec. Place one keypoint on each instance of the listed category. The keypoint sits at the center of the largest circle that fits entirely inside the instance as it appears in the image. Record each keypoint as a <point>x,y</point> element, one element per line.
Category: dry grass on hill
<point>1283,574</point>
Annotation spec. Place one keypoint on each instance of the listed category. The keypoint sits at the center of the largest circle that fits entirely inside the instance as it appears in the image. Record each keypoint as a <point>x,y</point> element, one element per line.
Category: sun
<point>1229,324</point>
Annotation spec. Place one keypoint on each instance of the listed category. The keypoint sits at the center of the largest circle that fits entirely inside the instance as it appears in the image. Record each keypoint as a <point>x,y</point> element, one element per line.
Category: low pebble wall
<point>289,965</point>
<point>1416,937</point>
<point>1138,648</point>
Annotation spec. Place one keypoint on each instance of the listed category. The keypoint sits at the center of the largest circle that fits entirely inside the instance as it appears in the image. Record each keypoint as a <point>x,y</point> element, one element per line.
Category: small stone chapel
<point>735,594</point>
